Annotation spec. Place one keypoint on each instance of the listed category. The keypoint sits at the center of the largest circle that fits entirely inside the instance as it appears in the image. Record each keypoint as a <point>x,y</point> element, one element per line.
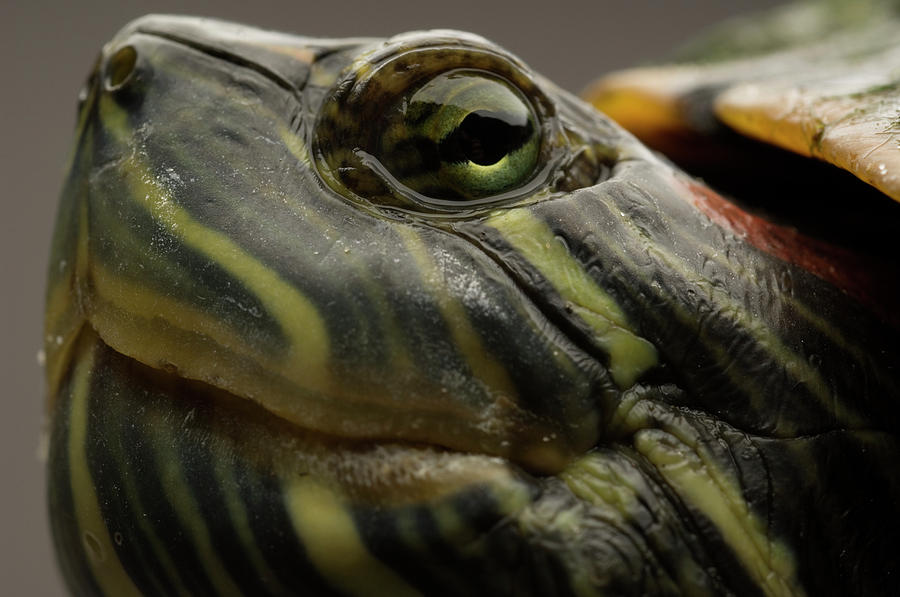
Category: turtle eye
<point>433,124</point>
<point>462,136</point>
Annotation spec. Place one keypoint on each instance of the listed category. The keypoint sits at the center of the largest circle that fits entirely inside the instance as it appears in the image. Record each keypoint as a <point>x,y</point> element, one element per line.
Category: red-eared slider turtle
<point>400,317</point>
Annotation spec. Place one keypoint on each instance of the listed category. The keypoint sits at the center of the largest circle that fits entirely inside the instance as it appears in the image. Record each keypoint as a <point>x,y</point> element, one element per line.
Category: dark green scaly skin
<point>666,408</point>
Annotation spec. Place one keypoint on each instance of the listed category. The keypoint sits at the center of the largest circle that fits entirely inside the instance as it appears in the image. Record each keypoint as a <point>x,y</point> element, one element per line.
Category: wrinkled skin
<point>274,371</point>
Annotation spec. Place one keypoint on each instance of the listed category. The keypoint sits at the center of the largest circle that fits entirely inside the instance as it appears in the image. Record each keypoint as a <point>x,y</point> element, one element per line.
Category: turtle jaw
<point>380,471</point>
<point>142,459</point>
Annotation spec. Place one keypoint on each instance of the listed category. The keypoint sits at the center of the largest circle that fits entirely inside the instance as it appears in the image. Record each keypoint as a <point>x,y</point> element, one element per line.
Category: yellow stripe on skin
<point>509,497</point>
<point>592,479</point>
<point>64,320</point>
<point>157,546</point>
<point>333,544</point>
<point>567,525</point>
<point>724,304</point>
<point>117,297</point>
<point>393,335</point>
<point>64,314</point>
<point>295,144</point>
<point>304,327</point>
<point>700,483</point>
<point>163,345</point>
<point>174,486</point>
<point>645,101</point>
<point>699,479</point>
<point>629,354</point>
<point>588,480</point>
<point>240,520</point>
<point>100,554</point>
<point>297,316</point>
<point>465,338</point>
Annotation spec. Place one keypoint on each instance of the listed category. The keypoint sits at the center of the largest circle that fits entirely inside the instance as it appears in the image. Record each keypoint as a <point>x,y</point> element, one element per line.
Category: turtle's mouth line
<point>377,469</point>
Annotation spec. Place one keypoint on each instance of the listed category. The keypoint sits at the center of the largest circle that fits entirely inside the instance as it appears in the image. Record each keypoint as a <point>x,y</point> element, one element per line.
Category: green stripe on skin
<point>629,354</point>
<point>297,316</point>
<point>667,439</point>
<point>326,529</point>
<point>100,553</point>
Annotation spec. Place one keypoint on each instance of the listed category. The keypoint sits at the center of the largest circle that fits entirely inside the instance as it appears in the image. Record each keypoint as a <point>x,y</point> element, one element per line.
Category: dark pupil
<point>484,138</point>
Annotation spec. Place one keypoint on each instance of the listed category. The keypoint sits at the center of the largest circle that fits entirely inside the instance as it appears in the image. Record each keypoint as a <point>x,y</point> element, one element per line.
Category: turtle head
<point>308,224</point>
<point>405,311</point>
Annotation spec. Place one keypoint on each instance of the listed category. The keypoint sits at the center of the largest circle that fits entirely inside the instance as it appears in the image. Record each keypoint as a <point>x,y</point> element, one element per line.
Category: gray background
<point>47,48</point>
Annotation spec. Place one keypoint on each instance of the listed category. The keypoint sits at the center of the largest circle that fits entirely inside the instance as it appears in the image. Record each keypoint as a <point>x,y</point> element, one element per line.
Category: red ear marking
<point>872,282</point>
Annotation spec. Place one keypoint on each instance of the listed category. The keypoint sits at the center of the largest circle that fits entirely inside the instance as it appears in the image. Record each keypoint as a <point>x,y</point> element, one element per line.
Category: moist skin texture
<point>275,370</point>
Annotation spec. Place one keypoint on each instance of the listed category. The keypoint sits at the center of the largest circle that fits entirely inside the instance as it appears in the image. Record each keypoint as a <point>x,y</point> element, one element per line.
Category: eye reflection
<point>485,138</point>
<point>463,135</point>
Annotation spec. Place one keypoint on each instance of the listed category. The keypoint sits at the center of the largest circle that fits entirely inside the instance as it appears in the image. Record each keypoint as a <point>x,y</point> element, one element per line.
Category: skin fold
<point>298,343</point>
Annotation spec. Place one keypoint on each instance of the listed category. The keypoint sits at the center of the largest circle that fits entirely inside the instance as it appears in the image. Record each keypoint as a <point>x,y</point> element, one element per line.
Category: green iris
<point>464,135</point>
